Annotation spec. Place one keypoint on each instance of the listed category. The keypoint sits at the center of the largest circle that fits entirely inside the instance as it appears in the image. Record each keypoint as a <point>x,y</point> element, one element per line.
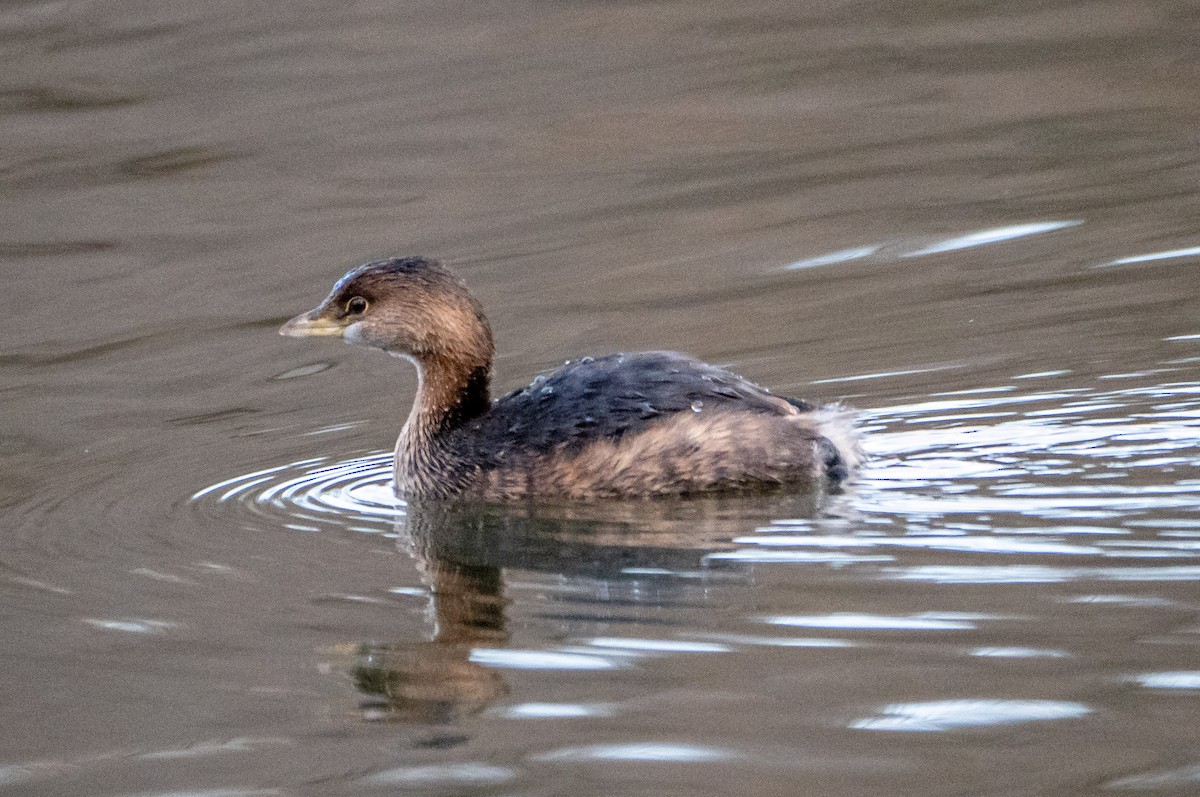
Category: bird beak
<point>310,324</point>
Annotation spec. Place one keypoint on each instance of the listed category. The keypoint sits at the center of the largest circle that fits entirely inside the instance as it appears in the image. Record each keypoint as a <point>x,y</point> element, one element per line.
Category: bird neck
<point>450,393</point>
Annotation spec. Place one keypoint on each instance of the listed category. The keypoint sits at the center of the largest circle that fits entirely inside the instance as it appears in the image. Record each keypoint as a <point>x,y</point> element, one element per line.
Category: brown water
<point>978,222</point>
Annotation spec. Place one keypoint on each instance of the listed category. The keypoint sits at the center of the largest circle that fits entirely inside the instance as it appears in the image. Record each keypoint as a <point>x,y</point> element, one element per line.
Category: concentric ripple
<point>1075,454</point>
<point>311,494</point>
<point>1109,471</point>
<point>1016,485</point>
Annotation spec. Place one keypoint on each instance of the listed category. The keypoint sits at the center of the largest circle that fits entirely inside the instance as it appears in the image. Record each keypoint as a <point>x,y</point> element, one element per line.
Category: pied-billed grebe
<point>646,424</point>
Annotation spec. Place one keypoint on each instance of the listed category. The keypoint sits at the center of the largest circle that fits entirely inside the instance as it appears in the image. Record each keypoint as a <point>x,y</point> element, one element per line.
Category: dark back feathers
<point>608,397</point>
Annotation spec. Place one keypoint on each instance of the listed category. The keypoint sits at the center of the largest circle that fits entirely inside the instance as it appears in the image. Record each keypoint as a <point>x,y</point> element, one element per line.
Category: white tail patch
<point>835,422</point>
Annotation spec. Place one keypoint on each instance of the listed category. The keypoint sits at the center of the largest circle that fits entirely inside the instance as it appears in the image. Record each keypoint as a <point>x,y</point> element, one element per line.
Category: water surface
<point>976,224</point>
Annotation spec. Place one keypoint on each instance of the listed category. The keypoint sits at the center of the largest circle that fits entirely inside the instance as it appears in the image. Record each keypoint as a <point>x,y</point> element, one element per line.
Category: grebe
<point>625,425</point>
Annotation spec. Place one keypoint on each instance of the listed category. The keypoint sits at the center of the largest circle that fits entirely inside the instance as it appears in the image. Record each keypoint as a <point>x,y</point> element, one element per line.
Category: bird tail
<point>844,454</point>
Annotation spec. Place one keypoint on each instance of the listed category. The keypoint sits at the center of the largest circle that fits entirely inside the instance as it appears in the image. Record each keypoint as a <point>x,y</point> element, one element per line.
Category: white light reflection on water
<point>660,645</point>
<point>556,711</point>
<point>1019,653</point>
<point>830,259</point>
<point>321,495</point>
<point>873,622</point>
<point>742,640</point>
<point>793,557</point>
<point>1038,574</point>
<point>460,775</point>
<point>997,235</point>
<point>925,491</point>
<point>1050,477</point>
<point>1042,374</point>
<point>971,544</point>
<point>1171,254</point>
<point>884,374</point>
<point>646,751</point>
<point>948,715</point>
<point>132,626</point>
<point>1186,679</point>
<point>540,660</point>
<point>1123,600</point>
<point>894,250</point>
<point>241,482</point>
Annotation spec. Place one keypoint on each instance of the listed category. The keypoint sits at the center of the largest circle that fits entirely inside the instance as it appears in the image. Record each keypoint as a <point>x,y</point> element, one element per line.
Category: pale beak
<point>310,324</point>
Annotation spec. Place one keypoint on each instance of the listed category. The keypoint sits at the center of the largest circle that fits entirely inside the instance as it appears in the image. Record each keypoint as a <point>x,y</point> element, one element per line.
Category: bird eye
<point>356,306</point>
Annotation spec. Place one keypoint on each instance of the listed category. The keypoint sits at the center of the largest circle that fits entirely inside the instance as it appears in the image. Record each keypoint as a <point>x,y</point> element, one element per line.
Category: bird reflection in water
<point>463,550</point>
<point>435,681</point>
